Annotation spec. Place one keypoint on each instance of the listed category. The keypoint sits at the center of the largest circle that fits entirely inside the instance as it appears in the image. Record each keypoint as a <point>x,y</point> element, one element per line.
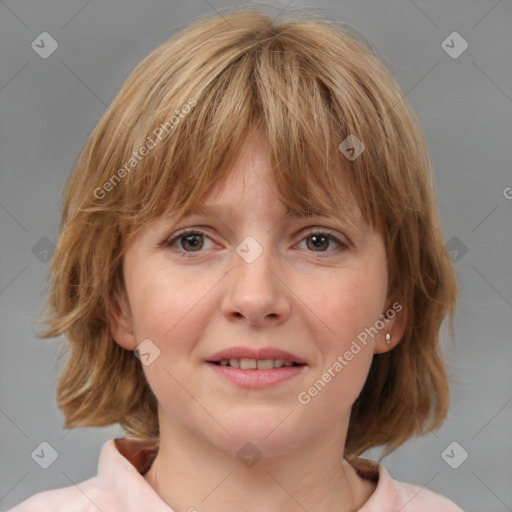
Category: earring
<point>388,338</point>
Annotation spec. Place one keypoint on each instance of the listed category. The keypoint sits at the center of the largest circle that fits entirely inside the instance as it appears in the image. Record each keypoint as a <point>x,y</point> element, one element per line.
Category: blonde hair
<point>308,85</point>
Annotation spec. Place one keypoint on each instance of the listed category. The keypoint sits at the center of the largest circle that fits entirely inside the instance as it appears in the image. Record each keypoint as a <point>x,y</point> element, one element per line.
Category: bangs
<point>195,125</point>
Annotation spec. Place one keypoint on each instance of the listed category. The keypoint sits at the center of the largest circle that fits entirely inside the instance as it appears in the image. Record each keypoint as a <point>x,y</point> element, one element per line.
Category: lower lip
<point>256,378</point>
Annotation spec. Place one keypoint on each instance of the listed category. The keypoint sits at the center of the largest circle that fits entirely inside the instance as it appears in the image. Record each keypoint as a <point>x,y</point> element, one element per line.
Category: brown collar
<point>140,452</point>
<point>365,468</point>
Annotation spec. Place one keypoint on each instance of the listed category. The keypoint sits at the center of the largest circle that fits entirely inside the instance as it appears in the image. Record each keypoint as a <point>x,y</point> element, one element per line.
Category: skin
<point>310,301</point>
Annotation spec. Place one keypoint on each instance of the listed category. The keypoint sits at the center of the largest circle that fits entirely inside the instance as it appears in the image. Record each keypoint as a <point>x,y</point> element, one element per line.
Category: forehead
<point>233,201</point>
<point>252,177</point>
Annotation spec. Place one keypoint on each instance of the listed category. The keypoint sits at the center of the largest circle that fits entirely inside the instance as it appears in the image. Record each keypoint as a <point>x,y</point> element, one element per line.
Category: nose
<point>257,292</point>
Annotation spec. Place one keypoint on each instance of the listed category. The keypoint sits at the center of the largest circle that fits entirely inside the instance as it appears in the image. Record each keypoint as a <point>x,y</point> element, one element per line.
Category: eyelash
<point>169,242</point>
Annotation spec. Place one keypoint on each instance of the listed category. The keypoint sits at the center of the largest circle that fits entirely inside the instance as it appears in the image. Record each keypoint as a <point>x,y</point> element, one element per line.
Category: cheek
<point>346,306</point>
<point>170,310</point>
<point>164,302</point>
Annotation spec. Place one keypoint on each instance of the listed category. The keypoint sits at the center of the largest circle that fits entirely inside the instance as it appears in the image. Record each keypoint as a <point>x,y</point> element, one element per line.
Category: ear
<point>121,325</point>
<point>394,328</point>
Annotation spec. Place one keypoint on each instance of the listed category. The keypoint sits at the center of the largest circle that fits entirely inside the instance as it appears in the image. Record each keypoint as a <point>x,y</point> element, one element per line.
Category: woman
<point>252,277</point>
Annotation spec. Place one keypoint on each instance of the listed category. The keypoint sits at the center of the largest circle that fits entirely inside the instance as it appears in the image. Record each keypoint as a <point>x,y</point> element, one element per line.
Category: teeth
<point>248,364</point>
<point>253,364</point>
<point>265,364</point>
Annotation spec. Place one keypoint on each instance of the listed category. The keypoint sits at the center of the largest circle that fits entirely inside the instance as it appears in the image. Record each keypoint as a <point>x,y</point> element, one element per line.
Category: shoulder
<point>69,499</point>
<point>80,497</point>
<point>119,485</point>
<point>420,499</point>
<point>391,495</point>
<point>102,491</point>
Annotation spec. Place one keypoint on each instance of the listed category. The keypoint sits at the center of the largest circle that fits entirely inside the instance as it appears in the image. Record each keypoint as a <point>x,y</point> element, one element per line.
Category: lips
<point>256,368</point>
<point>264,353</point>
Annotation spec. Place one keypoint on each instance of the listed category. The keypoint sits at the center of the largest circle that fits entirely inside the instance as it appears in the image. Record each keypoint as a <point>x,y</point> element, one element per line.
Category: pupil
<point>316,241</point>
<point>195,243</point>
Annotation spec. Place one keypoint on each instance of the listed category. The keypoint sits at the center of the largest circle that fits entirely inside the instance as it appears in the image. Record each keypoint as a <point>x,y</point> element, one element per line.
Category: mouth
<point>255,364</point>
<point>250,358</point>
<point>256,368</point>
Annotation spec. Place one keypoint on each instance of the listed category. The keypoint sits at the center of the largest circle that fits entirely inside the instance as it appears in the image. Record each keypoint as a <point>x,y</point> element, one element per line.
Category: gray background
<point>49,107</point>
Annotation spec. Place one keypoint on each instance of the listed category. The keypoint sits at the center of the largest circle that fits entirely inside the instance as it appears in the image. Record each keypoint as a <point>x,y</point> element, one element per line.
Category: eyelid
<point>342,240</point>
<point>170,240</point>
<point>334,235</point>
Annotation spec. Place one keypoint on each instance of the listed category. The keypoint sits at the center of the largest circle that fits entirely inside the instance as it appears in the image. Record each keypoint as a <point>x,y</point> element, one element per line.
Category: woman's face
<point>250,279</point>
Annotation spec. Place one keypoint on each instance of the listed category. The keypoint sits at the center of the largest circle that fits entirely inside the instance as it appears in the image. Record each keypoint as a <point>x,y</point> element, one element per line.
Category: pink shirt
<point>120,487</point>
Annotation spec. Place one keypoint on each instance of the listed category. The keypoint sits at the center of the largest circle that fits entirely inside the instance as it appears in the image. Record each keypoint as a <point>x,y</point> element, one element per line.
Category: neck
<point>189,473</point>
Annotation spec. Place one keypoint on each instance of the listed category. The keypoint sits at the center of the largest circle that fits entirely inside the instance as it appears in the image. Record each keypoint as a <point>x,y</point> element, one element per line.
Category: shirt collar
<point>135,457</point>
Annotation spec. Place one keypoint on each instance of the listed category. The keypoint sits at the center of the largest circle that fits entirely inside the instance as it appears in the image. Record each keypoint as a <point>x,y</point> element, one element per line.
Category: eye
<point>320,240</point>
<point>190,241</point>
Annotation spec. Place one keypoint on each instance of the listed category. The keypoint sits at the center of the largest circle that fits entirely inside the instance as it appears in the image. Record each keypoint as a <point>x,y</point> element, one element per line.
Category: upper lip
<point>255,353</point>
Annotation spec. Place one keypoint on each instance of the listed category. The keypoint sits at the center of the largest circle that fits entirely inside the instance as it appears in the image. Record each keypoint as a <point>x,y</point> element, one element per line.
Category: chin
<point>266,434</point>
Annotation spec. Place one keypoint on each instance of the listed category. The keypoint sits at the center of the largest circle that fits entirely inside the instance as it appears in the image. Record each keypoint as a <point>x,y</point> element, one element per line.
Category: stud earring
<point>388,338</point>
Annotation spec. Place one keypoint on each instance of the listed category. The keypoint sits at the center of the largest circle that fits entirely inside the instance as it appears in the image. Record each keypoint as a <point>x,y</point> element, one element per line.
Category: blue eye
<point>192,241</point>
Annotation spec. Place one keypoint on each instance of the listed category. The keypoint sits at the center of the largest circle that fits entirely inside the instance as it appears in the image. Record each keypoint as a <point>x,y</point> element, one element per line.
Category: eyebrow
<point>224,208</point>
